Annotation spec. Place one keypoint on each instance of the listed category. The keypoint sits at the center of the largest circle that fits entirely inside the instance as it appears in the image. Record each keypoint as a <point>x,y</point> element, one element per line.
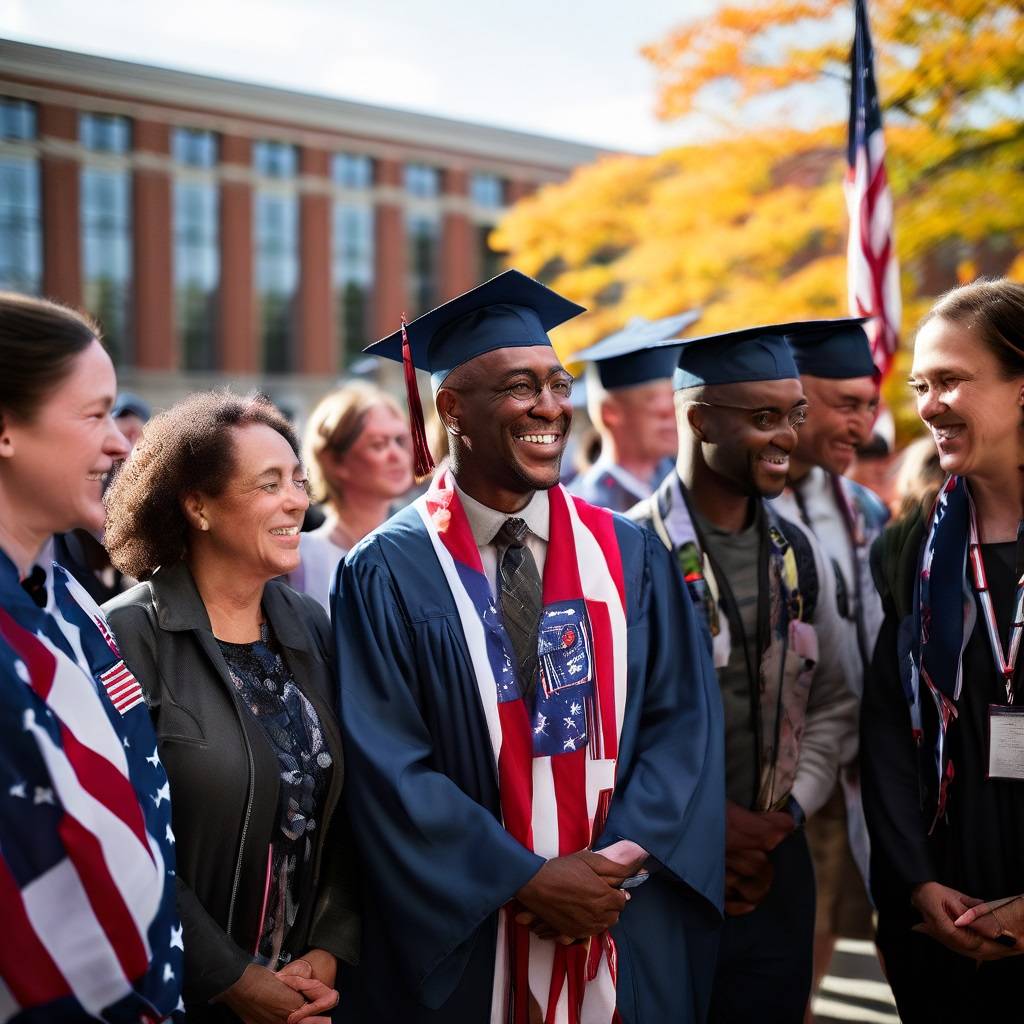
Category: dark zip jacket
<point>224,778</point>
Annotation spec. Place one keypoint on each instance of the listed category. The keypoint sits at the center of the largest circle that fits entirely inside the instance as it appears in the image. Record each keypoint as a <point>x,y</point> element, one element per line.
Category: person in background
<point>237,671</point>
<point>629,397</point>
<point>943,783</point>
<point>919,477</point>
<point>87,856</point>
<point>840,383</point>
<point>357,450</point>
<point>872,468</point>
<point>530,715</point>
<point>766,594</point>
<point>131,414</point>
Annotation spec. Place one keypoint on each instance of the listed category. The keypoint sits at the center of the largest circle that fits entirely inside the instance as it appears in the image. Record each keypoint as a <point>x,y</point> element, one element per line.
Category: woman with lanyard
<point>87,886</point>
<point>943,712</point>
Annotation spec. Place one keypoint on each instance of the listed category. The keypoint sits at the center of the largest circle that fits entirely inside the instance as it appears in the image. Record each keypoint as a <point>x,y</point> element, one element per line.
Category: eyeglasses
<point>766,420</point>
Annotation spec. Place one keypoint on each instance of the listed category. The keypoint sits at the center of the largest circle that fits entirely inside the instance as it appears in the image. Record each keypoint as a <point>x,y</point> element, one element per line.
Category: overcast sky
<point>569,68</point>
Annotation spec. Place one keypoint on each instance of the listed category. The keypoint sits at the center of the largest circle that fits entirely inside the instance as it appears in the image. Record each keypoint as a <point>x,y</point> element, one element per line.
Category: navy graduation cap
<point>838,349</point>
<point>508,311</point>
<point>640,352</point>
<point>751,354</point>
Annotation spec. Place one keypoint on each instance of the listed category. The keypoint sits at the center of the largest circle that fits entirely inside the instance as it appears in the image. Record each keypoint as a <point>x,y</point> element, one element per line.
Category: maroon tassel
<point>423,463</point>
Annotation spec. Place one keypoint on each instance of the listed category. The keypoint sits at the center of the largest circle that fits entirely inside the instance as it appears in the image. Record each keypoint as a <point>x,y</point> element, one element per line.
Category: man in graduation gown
<point>767,596</point>
<point>629,398</point>
<point>523,682</point>
<point>840,383</point>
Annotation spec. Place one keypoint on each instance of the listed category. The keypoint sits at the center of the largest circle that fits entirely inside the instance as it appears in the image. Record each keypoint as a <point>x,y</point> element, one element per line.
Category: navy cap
<point>127,404</point>
<point>509,311</point>
<point>751,354</point>
<point>838,349</point>
<point>639,353</point>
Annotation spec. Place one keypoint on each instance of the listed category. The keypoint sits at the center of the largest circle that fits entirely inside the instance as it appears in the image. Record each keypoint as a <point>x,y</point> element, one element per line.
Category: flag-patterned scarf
<point>555,756</point>
<point>942,595</point>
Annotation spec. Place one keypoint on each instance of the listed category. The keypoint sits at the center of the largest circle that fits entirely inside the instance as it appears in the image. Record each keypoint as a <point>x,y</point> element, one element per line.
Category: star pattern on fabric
<point>162,794</point>
<point>154,758</point>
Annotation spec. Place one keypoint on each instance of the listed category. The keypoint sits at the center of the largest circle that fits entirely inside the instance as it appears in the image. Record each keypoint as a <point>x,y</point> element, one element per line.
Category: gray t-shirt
<point>735,555</point>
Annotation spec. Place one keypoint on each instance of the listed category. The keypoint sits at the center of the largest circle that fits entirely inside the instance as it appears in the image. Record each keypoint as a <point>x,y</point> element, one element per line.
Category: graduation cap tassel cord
<point>423,463</point>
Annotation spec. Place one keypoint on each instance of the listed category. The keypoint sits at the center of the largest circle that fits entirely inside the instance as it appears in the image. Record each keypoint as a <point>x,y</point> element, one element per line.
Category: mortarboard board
<point>639,352</point>
<point>750,354</point>
<point>508,311</point>
<point>838,349</point>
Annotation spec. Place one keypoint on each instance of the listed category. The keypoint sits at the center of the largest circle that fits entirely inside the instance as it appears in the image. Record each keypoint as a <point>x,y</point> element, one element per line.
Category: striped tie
<point>520,595</point>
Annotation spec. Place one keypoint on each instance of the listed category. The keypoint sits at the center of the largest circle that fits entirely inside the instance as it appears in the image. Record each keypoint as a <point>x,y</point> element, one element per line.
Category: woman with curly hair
<point>359,454</point>
<point>237,671</point>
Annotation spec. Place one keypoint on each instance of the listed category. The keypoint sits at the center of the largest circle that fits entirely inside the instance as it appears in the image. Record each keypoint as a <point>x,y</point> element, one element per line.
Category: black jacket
<point>224,776</point>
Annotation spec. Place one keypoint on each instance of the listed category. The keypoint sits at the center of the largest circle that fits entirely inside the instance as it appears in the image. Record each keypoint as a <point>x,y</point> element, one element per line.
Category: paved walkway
<point>854,989</point>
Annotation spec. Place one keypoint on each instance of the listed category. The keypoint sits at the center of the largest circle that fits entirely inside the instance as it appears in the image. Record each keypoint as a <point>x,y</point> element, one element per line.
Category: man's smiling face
<point>513,409</point>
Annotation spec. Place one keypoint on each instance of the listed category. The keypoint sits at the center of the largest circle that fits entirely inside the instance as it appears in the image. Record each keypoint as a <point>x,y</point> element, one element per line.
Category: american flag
<point>873,274</point>
<point>87,896</point>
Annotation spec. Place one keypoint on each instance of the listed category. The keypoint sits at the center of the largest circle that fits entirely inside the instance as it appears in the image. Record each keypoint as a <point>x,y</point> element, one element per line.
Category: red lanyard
<point>1005,665</point>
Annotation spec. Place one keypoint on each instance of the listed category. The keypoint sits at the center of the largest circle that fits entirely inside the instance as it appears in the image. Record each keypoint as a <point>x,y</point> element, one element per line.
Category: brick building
<point>221,229</point>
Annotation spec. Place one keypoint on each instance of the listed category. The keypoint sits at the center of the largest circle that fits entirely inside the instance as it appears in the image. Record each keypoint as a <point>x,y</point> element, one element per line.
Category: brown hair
<point>994,310</point>
<point>39,341</point>
<point>185,449</point>
<point>919,477</point>
<point>335,425</point>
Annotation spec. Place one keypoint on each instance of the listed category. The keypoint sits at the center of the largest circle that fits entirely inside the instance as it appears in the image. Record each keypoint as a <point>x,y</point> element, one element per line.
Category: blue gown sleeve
<point>670,788</point>
<point>438,863</point>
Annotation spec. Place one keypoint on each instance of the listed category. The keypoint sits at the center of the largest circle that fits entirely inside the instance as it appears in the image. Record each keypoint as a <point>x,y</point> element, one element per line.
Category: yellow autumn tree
<point>751,225</point>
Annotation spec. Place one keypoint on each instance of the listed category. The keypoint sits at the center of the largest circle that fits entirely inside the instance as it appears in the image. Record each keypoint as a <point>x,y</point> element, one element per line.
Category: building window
<point>107,254</point>
<point>352,170</point>
<point>275,159</point>
<point>196,271</point>
<point>277,275</point>
<point>423,230</point>
<point>194,148</point>
<point>17,120</point>
<point>352,274</point>
<point>105,133</point>
<point>21,236</point>
<point>487,191</point>
<point>422,180</point>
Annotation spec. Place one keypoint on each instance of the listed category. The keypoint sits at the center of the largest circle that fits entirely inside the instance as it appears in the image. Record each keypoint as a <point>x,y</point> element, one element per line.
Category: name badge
<point>1005,742</point>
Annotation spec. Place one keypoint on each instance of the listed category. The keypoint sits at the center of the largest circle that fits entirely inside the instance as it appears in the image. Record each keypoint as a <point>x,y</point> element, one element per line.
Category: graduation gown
<point>422,791</point>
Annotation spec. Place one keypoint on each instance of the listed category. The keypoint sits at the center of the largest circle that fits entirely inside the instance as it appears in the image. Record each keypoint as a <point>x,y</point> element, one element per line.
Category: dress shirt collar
<point>485,522</point>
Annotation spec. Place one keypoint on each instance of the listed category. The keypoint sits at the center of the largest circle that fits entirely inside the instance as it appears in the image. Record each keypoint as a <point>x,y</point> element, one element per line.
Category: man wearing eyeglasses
<point>767,596</point>
<point>841,384</point>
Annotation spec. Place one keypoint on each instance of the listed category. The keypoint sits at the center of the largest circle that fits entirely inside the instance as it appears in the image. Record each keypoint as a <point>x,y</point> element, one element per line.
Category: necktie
<point>34,584</point>
<point>519,590</point>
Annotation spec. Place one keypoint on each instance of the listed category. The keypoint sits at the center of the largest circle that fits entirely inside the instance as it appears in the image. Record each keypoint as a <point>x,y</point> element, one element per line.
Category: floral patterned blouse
<point>292,726</point>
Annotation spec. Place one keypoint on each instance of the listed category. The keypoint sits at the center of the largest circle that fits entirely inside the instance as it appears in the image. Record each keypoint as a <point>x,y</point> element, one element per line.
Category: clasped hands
<point>301,991</point>
<point>750,836</point>
<point>577,896</point>
<point>969,926</point>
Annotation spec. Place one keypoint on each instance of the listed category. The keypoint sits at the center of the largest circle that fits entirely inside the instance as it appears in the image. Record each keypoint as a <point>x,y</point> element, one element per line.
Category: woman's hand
<point>1000,921</point>
<point>312,976</point>
<point>260,997</point>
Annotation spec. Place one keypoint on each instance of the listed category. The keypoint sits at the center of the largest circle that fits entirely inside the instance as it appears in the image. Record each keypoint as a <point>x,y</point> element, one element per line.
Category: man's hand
<point>575,896</point>
<point>755,830</point>
<point>749,837</point>
<point>999,921</point>
<point>748,878</point>
<point>941,907</point>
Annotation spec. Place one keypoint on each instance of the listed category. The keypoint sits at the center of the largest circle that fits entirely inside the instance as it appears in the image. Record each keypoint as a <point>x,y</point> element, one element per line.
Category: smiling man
<point>629,399</point>
<point>839,379</point>
<point>767,596</point>
<point>533,733</point>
